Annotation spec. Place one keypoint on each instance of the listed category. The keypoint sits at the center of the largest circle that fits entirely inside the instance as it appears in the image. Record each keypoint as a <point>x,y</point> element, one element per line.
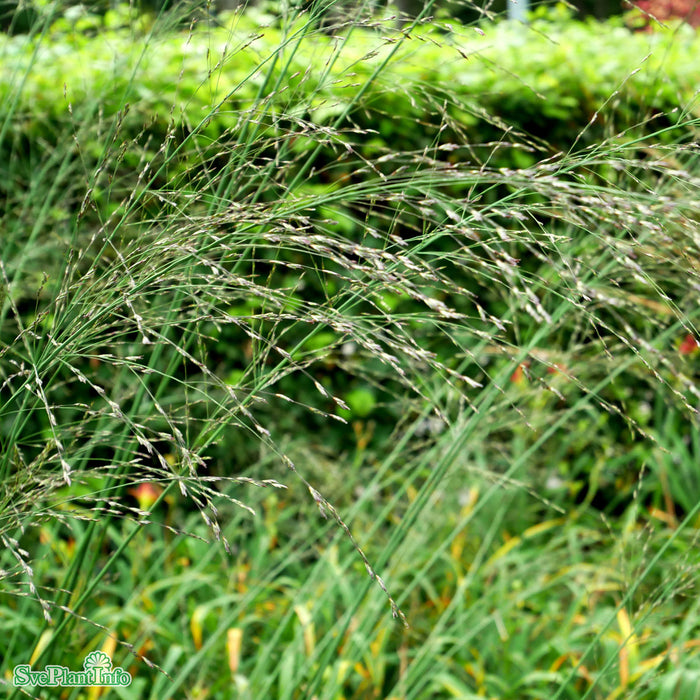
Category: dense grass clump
<point>299,328</point>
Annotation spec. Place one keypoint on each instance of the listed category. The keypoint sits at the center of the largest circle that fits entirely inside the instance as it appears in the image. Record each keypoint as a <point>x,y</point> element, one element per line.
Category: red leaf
<point>688,345</point>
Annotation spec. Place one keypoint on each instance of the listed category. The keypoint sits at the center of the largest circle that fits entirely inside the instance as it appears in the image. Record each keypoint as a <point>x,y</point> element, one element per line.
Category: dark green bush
<point>581,77</point>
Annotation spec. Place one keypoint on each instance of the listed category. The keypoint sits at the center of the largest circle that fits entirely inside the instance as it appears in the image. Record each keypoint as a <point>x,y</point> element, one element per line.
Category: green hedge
<point>547,81</point>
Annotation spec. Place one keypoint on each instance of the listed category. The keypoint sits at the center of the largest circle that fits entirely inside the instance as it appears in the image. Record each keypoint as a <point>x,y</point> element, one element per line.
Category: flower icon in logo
<point>97,660</point>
